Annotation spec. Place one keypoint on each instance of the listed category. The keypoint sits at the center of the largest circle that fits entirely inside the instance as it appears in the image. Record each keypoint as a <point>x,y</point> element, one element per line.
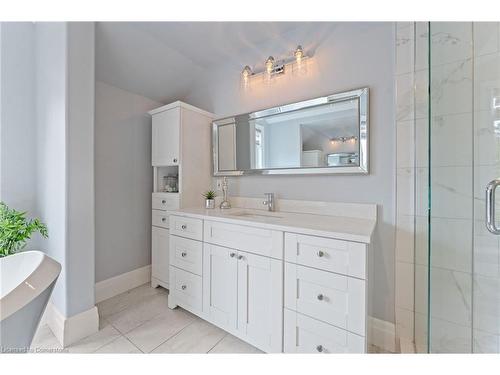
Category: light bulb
<point>299,54</point>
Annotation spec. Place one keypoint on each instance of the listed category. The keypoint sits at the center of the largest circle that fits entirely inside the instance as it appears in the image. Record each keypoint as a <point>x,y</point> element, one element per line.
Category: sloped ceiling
<point>164,60</point>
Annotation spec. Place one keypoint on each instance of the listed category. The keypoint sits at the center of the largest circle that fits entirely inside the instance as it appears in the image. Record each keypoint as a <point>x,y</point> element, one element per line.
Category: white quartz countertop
<point>343,228</point>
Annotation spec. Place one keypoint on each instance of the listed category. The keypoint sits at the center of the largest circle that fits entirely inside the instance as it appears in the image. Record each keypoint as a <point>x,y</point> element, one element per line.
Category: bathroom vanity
<point>283,281</point>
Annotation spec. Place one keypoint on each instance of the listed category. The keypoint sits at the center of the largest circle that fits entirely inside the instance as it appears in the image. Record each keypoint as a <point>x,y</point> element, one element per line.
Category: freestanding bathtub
<point>26,282</point>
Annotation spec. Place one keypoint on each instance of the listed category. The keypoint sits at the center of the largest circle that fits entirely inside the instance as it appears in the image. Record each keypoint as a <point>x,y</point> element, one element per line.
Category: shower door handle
<point>490,206</point>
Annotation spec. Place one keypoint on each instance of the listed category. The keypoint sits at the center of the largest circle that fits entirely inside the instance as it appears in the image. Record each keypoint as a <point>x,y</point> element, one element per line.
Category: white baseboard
<point>382,333</point>
<point>76,327</point>
<point>119,284</point>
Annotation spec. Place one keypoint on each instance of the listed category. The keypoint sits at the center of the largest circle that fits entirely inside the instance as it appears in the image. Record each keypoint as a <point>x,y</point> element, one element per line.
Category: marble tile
<point>451,140</point>
<point>451,244</point>
<point>119,346</point>
<point>486,38</point>
<point>422,94</point>
<point>405,285</point>
<point>451,192</point>
<point>421,329</point>
<point>487,83</point>
<point>44,341</point>
<point>404,323</point>
<point>486,254</point>
<point>130,298</point>
<point>138,314</point>
<point>404,239</point>
<point>422,46</point>
<point>421,240</point>
<point>421,191</point>
<point>486,138</point>
<point>405,191</point>
<point>484,342</point>
<point>451,296</point>
<point>487,304</point>
<point>405,144</point>
<point>198,337</point>
<point>447,337</point>
<point>232,344</point>
<point>421,289</point>
<point>405,97</point>
<point>158,330</point>
<point>451,88</point>
<point>450,41</point>
<point>422,143</point>
<point>405,49</point>
<point>105,335</point>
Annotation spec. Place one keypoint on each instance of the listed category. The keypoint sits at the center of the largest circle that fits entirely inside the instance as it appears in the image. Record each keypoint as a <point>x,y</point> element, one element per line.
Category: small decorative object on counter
<point>170,183</point>
<point>209,199</point>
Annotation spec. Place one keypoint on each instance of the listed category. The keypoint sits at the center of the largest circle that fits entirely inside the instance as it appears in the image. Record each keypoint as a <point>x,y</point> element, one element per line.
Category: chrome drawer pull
<point>183,226</point>
<point>240,257</point>
<point>183,254</point>
<point>320,297</point>
<point>183,287</point>
<point>163,201</point>
<point>232,255</point>
<point>163,219</point>
<point>319,348</point>
<point>321,254</point>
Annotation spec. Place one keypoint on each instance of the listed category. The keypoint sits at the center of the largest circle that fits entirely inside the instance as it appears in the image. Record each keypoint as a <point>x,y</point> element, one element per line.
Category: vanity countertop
<point>342,228</point>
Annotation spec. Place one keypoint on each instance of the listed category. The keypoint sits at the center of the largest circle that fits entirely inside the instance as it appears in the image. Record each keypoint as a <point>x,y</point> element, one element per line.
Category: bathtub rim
<point>32,286</point>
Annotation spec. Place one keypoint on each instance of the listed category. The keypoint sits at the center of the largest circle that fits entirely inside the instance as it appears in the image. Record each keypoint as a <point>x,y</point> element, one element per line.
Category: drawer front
<point>335,299</point>
<point>307,335</point>
<point>165,201</point>
<point>186,254</point>
<point>186,227</point>
<point>186,288</point>
<point>347,258</point>
<point>160,219</point>
<point>254,240</point>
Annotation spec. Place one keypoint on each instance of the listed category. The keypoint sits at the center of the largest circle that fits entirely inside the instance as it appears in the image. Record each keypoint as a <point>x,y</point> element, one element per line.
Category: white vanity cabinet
<point>180,146</point>
<point>273,287</point>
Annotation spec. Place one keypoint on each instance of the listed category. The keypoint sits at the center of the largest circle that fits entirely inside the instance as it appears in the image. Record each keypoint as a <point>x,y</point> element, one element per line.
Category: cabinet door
<point>220,285</point>
<point>165,137</point>
<point>260,301</point>
<point>159,254</point>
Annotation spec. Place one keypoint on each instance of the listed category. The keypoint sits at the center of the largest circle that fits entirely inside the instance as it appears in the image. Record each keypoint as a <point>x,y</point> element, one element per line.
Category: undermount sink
<point>255,214</point>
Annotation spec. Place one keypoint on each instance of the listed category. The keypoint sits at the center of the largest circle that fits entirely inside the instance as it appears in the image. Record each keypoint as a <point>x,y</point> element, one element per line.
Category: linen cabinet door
<point>260,301</point>
<point>165,134</point>
<point>159,256</point>
<point>220,285</point>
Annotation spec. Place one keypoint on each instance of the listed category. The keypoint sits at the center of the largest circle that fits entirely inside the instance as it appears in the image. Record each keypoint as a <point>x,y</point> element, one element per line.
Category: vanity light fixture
<point>343,139</point>
<point>273,67</point>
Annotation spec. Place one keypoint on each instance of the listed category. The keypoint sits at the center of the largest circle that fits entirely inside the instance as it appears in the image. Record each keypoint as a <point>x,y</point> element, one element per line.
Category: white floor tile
<point>198,337</point>
<point>90,344</point>
<point>45,341</point>
<point>120,345</point>
<point>232,344</point>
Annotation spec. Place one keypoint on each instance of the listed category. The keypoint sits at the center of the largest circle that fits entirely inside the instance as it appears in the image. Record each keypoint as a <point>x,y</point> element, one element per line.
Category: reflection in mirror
<point>322,134</point>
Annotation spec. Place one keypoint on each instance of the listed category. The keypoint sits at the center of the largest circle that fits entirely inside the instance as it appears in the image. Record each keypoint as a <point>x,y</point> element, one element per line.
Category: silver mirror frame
<point>361,94</point>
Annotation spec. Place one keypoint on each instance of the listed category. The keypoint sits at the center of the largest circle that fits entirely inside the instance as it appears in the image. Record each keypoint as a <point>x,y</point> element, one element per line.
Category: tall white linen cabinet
<point>180,155</point>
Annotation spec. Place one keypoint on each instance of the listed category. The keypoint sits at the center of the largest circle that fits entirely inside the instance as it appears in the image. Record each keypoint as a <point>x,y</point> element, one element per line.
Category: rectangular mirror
<point>317,136</point>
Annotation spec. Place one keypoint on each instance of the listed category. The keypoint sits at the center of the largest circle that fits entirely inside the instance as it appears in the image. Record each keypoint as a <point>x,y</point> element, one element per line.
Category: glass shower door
<point>464,156</point>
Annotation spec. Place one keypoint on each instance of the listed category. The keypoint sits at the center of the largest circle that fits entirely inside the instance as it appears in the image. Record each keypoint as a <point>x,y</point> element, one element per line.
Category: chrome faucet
<point>269,202</point>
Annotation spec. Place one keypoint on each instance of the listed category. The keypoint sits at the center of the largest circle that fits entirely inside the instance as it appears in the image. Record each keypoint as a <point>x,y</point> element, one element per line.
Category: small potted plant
<point>209,199</point>
<point>16,230</point>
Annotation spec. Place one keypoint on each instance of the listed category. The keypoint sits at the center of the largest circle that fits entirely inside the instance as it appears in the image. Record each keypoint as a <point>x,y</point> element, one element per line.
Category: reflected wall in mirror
<point>323,135</point>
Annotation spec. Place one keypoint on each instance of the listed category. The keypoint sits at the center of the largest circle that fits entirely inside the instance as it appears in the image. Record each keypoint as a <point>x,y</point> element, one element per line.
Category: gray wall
<point>349,56</point>
<point>123,181</point>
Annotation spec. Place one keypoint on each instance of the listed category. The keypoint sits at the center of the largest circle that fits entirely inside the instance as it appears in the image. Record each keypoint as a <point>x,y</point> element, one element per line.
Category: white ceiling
<point>163,60</point>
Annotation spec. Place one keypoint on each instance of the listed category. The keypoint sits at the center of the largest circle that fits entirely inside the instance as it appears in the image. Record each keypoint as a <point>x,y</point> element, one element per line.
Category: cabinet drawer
<point>186,227</point>
<point>186,288</point>
<point>348,258</point>
<point>307,335</point>
<point>254,240</point>
<point>160,219</point>
<point>165,201</point>
<point>186,254</point>
<point>332,298</point>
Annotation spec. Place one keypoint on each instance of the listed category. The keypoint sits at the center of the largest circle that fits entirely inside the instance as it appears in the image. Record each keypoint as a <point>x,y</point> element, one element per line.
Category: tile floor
<point>139,321</point>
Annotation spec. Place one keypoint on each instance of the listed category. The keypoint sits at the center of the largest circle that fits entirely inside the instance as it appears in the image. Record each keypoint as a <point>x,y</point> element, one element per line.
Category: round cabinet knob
<point>183,254</point>
<point>240,257</point>
<point>183,226</point>
<point>319,348</point>
<point>321,297</point>
<point>163,201</point>
<point>183,287</point>
<point>163,219</point>
<point>321,254</point>
<point>175,160</point>
<point>232,255</point>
